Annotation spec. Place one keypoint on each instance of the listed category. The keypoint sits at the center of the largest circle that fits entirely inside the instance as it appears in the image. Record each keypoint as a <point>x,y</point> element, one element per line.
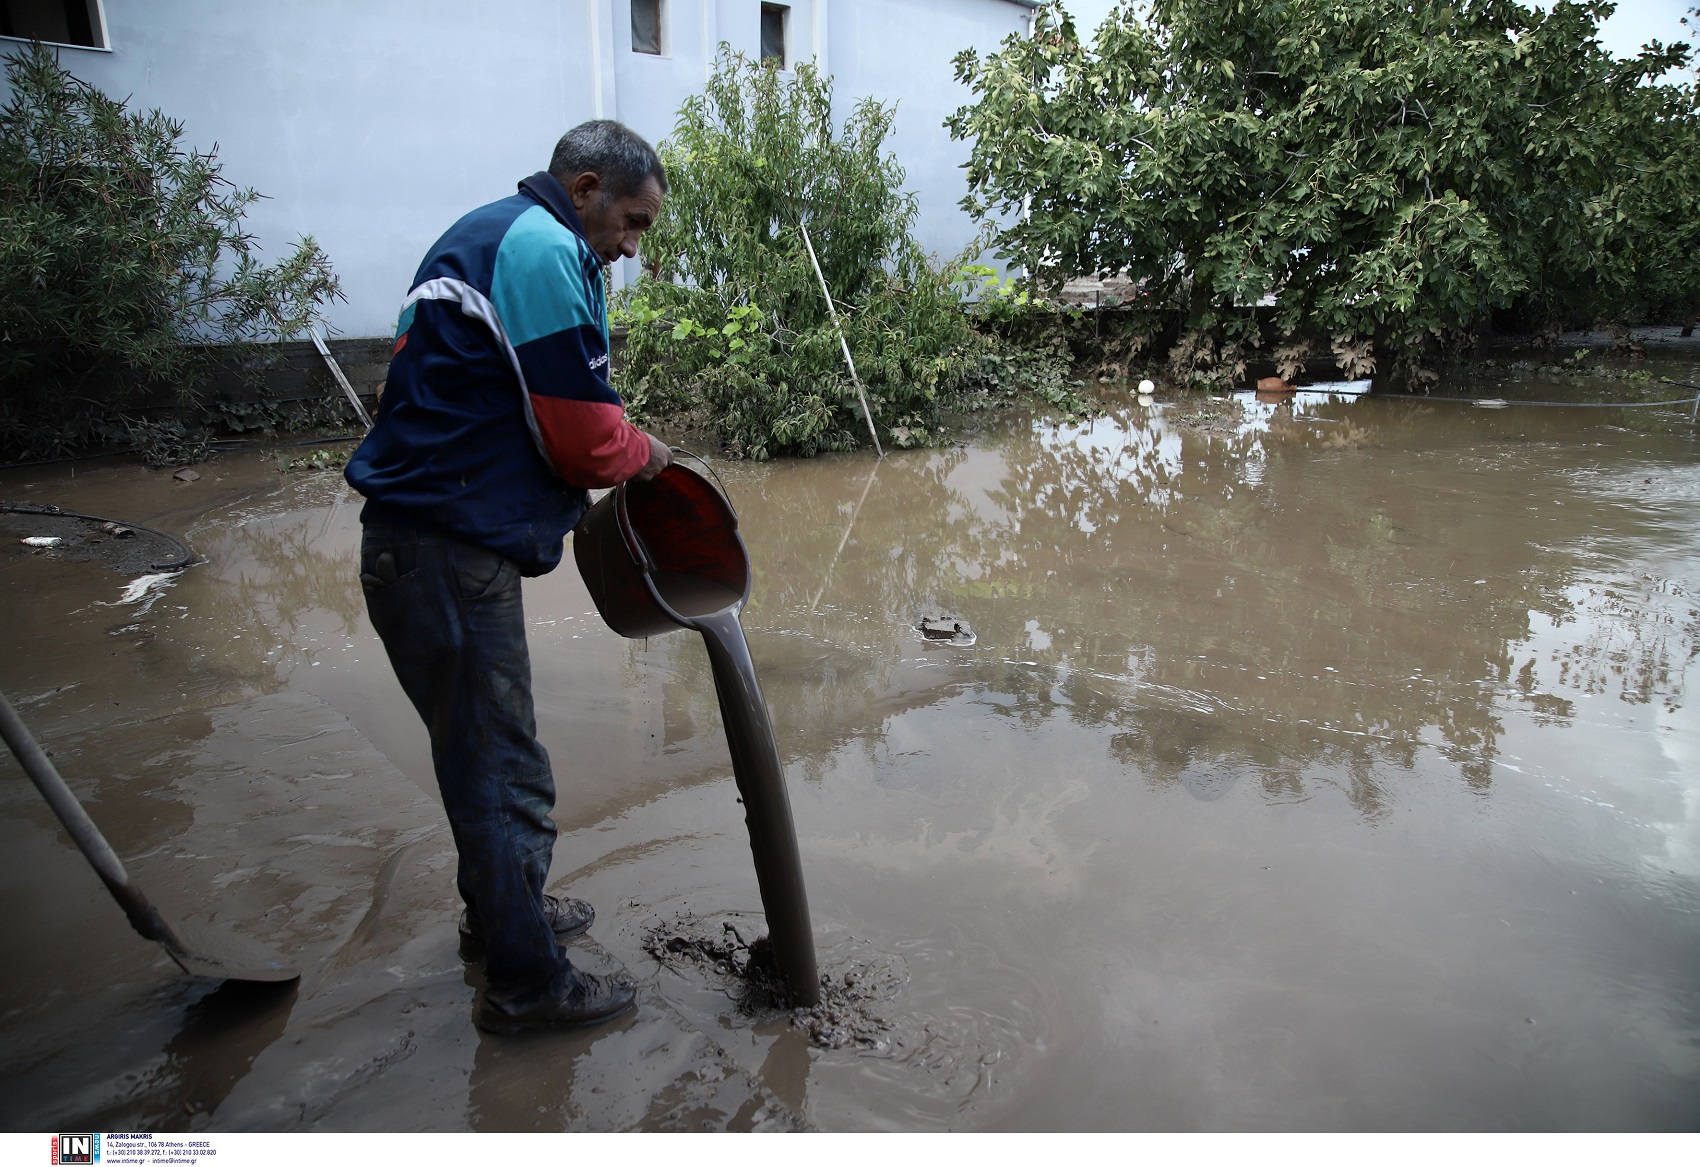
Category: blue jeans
<point>450,617</point>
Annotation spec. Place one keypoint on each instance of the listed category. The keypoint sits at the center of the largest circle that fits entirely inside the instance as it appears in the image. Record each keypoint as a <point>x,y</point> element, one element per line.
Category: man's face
<point>614,223</point>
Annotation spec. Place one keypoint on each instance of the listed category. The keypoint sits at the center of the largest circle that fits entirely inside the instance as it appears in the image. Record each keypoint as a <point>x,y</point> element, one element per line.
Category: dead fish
<point>1493,403</point>
<point>42,541</point>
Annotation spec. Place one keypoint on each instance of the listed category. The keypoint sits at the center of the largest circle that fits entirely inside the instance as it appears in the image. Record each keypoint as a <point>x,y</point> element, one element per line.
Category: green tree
<point>729,326</point>
<point>124,265</point>
<point>1390,172</point>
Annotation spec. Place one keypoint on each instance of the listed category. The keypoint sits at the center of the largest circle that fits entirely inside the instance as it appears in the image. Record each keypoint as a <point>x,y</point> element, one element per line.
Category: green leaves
<point>122,258</point>
<point>1382,169</point>
<point>728,329</point>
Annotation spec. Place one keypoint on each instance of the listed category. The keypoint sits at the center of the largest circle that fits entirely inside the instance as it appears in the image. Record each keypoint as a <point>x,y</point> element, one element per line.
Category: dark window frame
<point>641,38</point>
<point>85,26</point>
<point>776,34</point>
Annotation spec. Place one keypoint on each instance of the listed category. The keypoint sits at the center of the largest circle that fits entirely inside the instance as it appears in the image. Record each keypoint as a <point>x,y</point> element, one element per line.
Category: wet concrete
<point>1330,766</point>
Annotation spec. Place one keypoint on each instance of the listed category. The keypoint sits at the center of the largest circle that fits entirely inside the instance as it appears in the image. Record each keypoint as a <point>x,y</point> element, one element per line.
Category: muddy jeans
<point>450,617</point>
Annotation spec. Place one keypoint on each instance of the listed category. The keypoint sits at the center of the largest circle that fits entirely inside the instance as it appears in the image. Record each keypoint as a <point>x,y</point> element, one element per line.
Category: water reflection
<point>1336,622</point>
<point>179,1051</point>
<point>286,576</point>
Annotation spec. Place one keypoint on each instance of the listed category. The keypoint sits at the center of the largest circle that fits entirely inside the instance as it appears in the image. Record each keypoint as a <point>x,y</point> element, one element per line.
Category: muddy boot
<point>588,998</point>
<point>568,917</point>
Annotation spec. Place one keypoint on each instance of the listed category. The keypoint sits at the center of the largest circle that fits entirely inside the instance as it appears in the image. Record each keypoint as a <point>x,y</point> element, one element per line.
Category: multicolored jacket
<point>497,413</point>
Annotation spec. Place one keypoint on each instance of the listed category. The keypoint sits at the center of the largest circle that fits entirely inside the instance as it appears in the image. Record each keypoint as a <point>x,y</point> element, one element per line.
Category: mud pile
<point>847,1016</point>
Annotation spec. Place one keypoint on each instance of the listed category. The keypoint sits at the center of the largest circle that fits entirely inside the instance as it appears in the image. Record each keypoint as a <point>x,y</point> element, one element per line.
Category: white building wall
<point>372,126</point>
<point>901,51</point>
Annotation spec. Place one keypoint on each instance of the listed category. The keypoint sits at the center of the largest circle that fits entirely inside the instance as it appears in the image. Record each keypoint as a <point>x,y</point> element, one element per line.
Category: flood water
<point>1331,767</point>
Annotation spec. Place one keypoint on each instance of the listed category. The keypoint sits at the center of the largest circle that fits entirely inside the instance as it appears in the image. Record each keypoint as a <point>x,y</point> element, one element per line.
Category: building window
<point>774,18</point>
<point>59,22</point>
<point>647,18</point>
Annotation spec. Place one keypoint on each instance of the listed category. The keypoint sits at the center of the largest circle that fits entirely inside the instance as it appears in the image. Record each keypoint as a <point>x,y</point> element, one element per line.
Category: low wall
<point>294,372</point>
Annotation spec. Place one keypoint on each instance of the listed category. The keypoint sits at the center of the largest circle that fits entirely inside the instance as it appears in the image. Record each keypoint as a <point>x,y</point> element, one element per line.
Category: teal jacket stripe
<point>538,286</point>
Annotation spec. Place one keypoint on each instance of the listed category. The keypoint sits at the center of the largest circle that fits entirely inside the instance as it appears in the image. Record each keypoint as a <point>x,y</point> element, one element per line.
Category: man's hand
<point>660,457</point>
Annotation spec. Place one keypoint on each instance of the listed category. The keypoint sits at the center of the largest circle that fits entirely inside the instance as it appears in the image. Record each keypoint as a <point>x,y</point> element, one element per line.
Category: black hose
<point>260,443</point>
<point>29,508</point>
<point>109,452</point>
<point>221,445</point>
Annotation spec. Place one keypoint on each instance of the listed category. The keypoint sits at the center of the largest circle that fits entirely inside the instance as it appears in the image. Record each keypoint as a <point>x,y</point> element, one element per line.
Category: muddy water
<point>1331,765</point>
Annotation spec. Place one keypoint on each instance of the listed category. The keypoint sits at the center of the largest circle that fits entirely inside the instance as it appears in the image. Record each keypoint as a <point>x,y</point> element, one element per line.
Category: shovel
<point>223,955</point>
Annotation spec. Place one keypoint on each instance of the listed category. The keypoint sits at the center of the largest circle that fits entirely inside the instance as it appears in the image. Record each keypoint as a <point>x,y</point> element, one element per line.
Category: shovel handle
<point>143,916</point>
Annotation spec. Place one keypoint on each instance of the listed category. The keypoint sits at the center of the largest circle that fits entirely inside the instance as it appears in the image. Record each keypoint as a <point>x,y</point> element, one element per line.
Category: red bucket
<point>659,555</point>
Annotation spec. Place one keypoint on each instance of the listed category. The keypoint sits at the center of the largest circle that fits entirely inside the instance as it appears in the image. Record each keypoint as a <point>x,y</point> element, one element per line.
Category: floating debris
<point>116,531</point>
<point>946,630</point>
<point>1493,403</point>
<point>140,588</point>
<point>186,475</point>
<point>316,460</point>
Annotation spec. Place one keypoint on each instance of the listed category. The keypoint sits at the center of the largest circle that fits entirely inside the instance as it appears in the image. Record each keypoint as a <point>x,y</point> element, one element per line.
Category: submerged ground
<point>1330,767</point>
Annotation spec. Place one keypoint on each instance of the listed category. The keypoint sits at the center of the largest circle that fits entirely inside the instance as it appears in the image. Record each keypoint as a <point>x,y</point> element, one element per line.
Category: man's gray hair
<point>615,154</point>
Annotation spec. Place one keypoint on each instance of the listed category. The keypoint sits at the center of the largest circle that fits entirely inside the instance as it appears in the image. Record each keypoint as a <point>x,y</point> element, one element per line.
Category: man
<point>496,417</point>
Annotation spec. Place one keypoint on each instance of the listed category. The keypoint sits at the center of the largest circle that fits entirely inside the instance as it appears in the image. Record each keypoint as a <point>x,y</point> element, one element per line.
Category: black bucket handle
<point>706,465</point>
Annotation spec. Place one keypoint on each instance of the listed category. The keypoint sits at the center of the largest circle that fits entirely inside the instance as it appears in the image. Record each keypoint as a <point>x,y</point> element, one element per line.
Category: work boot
<point>587,999</point>
<point>567,917</point>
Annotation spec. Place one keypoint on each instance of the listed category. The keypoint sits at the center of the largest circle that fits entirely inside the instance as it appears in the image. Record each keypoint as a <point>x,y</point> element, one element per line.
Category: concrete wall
<point>374,125</point>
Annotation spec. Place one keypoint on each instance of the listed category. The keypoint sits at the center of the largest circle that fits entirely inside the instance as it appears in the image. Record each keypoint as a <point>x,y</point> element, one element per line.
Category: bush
<point>123,263</point>
<point>1390,173</point>
<point>728,326</point>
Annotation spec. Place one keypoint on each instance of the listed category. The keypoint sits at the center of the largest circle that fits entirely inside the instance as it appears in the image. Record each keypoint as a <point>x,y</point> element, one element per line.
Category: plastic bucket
<point>656,556</point>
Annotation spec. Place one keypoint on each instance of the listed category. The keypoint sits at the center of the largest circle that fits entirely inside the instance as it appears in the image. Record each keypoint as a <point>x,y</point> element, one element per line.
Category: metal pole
<point>848,359</point>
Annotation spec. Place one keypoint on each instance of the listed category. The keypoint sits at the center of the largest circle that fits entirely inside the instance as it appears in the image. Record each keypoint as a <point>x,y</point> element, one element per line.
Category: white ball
<point>1147,387</point>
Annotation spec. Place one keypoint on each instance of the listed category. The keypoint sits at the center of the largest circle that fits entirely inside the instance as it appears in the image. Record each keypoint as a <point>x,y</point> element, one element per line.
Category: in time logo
<point>77,1149</point>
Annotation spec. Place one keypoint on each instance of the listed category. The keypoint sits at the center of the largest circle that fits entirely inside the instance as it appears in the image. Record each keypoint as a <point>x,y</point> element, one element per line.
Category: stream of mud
<point>1320,764</point>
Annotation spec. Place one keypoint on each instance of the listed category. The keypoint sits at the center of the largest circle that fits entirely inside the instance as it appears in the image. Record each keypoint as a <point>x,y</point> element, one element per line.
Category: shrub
<point>1389,172</point>
<point>728,324</point>
<point>123,261</point>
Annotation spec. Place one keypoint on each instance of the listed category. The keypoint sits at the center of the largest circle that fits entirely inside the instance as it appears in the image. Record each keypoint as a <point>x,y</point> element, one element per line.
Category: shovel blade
<point>205,952</point>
